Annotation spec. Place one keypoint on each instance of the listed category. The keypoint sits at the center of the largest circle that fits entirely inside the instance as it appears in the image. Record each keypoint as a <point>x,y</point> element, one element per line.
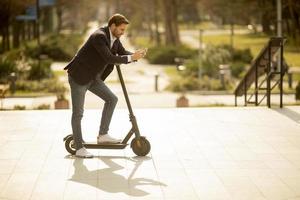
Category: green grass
<point>59,73</point>
<point>255,43</point>
<point>207,25</point>
<point>142,42</point>
<point>171,71</point>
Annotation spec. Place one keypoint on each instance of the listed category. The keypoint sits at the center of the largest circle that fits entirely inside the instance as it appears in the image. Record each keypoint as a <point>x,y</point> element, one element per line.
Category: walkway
<point>206,153</point>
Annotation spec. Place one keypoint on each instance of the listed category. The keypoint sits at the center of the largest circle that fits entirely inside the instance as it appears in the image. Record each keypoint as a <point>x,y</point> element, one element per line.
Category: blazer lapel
<point>114,48</point>
<point>106,31</point>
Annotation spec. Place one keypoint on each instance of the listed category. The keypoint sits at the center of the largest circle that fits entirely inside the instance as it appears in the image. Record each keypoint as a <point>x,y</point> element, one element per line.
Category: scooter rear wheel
<point>141,146</point>
<point>70,146</point>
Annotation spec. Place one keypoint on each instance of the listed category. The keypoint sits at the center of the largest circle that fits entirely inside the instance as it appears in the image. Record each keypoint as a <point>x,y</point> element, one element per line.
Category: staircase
<point>262,73</point>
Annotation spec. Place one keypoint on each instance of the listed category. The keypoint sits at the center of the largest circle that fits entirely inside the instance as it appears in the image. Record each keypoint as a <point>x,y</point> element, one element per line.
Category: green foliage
<point>19,107</point>
<point>46,85</point>
<point>14,54</point>
<point>237,68</point>
<point>40,70</point>
<point>213,56</point>
<point>239,55</point>
<point>6,67</point>
<point>43,107</point>
<point>191,83</point>
<point>56,47</point>
<point>167,54</point>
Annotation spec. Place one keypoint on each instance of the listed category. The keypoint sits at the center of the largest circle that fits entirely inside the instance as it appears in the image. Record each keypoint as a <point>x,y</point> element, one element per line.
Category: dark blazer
<point>95,56</point>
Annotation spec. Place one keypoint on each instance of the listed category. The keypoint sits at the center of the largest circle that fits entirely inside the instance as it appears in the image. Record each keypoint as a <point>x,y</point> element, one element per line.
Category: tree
<point>8,10</point>
<point>293,7</point>
<point>171,22</point>
<point>76,15</point>
<point>188,11</point>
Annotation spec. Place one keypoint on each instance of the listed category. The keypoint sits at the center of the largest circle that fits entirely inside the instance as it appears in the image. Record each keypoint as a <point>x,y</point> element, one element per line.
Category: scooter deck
<point>93,145</point>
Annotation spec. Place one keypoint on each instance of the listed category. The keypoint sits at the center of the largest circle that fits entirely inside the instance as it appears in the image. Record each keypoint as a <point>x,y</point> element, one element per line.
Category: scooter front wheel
<point>70,145</point>
<point>141,146</point>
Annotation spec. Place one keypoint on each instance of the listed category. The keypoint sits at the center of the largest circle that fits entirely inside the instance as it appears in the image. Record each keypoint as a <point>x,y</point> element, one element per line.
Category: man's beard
<point>116,35</point>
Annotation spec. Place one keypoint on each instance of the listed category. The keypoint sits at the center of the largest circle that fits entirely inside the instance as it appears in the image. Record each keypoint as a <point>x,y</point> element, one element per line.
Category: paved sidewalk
<point>197,153</point>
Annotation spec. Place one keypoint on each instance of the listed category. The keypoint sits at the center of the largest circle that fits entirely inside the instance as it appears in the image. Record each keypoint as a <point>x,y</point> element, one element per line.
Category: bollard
<point>222,80</point>
<point>290,80</point>
<point>156,82</point>
<point>13,79</point>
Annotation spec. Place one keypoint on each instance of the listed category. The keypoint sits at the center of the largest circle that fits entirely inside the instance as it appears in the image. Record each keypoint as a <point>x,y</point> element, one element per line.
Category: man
<point>88,70</point>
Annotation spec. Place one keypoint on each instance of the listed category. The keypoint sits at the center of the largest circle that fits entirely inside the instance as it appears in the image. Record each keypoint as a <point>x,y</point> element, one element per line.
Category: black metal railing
<point>264,66</point>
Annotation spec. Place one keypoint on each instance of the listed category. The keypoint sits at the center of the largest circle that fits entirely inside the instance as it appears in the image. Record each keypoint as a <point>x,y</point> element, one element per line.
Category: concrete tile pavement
<point>197,153</point>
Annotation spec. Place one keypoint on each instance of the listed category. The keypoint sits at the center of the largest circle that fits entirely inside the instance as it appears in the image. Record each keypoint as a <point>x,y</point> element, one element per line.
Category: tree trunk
<point>148,8</point>
<point>287,25</point>
<point>171,25</point>
<point>231,34</point>
<point>265,21</point>
<point>294,29</point>
<point>155,11</point>
<point>149,26</point>
<point>59,19</point>
<point>16,34</point>
<point>6,38</point>
<point>2,43</point>
<point>107,10</point>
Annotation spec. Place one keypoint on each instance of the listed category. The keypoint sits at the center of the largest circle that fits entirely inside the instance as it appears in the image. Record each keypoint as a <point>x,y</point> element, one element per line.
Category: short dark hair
<point>117,19</point>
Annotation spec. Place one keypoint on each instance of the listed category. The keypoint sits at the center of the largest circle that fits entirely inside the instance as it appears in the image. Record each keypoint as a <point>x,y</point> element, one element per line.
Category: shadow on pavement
<point>295,116</point>
<point>130,184</point>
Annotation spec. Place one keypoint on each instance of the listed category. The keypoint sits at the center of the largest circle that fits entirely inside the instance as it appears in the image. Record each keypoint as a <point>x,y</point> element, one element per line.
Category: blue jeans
<point>78,92</point>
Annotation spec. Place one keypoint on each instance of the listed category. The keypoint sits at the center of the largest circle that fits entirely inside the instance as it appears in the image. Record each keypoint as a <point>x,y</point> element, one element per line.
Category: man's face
<point>118,31</point>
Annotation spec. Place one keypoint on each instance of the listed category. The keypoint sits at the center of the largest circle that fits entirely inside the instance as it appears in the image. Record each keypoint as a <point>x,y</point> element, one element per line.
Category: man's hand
<point>139,54</point>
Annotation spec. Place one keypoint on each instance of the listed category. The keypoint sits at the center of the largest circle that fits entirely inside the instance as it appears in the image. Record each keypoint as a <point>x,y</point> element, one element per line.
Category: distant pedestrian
<point>87,71</point>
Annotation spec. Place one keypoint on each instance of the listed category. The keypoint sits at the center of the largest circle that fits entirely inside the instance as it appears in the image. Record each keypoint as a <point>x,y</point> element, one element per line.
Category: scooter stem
<point>131,115</point>
<point>124,90</point>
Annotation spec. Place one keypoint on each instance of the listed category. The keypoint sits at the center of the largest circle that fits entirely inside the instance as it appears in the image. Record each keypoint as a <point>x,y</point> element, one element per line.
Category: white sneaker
<point>83,153</point>
<point>107,139</point>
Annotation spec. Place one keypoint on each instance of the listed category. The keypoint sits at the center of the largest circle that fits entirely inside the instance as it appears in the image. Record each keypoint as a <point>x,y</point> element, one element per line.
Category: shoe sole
<point>84,156</point>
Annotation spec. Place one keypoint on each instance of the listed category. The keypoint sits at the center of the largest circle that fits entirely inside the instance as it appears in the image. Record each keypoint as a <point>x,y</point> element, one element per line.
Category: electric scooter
<point>139,144</point>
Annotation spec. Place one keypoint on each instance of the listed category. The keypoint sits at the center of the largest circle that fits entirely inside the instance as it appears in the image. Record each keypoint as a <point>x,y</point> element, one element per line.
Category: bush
<point>167,54</point>
<point>6,68</point>
<point>237,68</point>
<point>47,85</point>
<point>14,54</point>
<point>40,71</point>
<point>239,55</point>
<point>242,55</point>
<point>54,52</point>
<point>19,107</point>
<point>43,107</point>
<point>183,84</point>
<point>56,47</point>
<point>213,56</point>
